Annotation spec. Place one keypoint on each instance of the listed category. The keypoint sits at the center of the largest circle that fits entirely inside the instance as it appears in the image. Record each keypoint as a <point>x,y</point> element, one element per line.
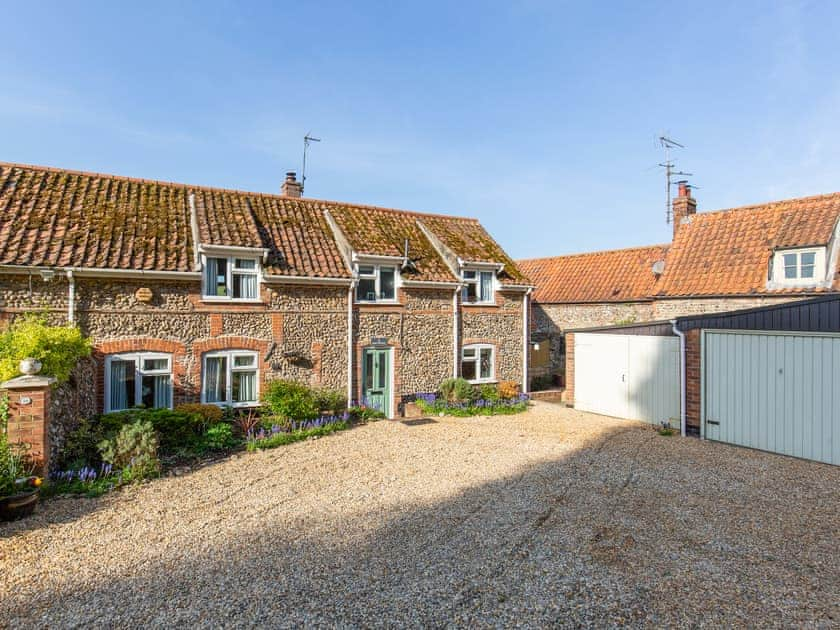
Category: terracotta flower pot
<point>18,505</point>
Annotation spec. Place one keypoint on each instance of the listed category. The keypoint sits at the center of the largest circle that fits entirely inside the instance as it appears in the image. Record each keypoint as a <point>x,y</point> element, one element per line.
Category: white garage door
<point>774,392</point>
<point>628,376</point>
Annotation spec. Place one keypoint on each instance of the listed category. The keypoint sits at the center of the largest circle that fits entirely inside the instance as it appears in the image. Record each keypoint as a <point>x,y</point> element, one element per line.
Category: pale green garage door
<point>776,392</point>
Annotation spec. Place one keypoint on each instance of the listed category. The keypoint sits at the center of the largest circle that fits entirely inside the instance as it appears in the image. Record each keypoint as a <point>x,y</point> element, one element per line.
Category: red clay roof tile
<point>53,217</point>
<point>621,275</point>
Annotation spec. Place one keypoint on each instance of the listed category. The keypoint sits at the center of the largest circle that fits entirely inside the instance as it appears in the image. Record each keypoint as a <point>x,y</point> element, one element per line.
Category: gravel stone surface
<point>553,517</point>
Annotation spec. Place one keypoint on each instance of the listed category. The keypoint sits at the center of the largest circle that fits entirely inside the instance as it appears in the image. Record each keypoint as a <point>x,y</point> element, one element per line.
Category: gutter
<point>681,335</point>
<point>430,283</point>
<point>98,272</point>
<point>309,280</point>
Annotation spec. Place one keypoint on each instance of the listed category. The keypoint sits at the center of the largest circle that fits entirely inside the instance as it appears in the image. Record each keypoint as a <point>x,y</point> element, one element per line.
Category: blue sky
<point>540,118</point>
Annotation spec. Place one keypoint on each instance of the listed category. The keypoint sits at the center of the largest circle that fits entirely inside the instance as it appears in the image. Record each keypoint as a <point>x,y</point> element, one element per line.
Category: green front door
<point>376,380</point>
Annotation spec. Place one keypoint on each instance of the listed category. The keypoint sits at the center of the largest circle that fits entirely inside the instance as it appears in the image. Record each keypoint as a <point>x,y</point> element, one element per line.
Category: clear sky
<point>539,118</point>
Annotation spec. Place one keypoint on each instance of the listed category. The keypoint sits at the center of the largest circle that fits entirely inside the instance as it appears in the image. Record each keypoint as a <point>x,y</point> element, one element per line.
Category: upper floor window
<point>799,266</point>
<point>478,287</point>
<point>477,363</point>
<point>377,283</point>
<point>231,278</point>
<point>229,377</point>
<point>141,378</point>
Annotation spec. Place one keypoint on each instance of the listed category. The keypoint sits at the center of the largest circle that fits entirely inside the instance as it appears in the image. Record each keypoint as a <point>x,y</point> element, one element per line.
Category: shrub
<point>330,399</point>
<point>246,422</point>
<point>134,448</point>
<point>508,389</point>
<point>210,414</point>
<point>489,392</point>
<point>457,390</point>
<point>176,429</point>
<point>219,437</point>
<point>82,445</point>
<point>291,400</point>
<point>363,413</point>
<point>58,348</point>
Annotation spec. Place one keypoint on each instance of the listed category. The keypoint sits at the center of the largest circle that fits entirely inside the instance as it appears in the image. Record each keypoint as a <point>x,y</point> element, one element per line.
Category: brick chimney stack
<point>292,187</point>
<point>684,205</point>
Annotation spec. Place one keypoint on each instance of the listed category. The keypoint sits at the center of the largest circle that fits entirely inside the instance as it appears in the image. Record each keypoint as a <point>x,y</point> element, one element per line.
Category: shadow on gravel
<point>631,529</point>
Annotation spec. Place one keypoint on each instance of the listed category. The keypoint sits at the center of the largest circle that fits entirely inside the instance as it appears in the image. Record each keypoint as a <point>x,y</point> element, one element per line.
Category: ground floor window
<point>140,378</point>
<point>477,363</point>
<point>230,377</point>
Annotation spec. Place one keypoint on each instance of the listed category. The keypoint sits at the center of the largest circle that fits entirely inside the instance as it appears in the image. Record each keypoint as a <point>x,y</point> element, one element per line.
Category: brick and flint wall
<point>299,331</point>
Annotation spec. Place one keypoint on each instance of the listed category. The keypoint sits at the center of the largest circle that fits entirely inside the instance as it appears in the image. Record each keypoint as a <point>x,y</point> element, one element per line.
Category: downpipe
<point>681,335</point>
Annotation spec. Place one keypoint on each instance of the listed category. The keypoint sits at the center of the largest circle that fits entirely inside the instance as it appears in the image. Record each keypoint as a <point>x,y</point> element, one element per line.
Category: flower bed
<point>432,404</point>
<point>279,435</point>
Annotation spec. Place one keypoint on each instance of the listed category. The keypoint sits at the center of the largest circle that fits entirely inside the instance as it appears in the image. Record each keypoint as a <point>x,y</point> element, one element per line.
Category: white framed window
<point>377,283</point>
<point>478,287</point>
<point>802,267</point>
<point>478,363</point>
<point>231,278</point>
<point>230,377</point>
<point>138,378</point>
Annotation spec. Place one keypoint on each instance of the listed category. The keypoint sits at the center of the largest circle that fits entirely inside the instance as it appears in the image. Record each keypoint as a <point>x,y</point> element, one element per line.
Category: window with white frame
<point>230,377</point>
<point>478,287</point>
<point>377,283</point>
<point>231,278</point>
<point>477,363</point>
<point>799,266</point>
<point>139,378</point>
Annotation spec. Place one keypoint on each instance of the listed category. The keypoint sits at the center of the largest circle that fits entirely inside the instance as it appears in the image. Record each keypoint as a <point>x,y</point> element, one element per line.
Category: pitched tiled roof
<point>382,232</point>
<point>468,239</point>
<point>294,231</point>
<point>611,276</point>
<point>52,217</point>
<point>727,252</point>
<point>64,218</point>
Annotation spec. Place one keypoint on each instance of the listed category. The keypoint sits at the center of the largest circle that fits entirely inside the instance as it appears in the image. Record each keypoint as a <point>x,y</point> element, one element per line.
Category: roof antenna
<point>307,140</point>
<point>668,144</point>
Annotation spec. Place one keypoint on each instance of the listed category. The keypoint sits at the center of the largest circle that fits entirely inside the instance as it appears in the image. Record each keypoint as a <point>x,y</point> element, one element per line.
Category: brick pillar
<point>692,382</point>
<point>569,394</point>
<point>29,422</point>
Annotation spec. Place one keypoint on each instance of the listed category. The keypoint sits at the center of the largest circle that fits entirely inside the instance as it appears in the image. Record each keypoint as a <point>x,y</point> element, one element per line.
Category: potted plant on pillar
<point>18,488</point>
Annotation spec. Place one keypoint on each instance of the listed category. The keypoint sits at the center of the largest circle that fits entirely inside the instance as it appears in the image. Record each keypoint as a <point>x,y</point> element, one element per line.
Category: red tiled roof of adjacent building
<point>622,275</point>
<point>54,217</point>
<point>721,253</point>
<point>728,252</point>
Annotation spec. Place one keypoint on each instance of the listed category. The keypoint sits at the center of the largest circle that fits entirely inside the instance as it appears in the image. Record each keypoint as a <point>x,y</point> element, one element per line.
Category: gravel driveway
<point>550,517</point>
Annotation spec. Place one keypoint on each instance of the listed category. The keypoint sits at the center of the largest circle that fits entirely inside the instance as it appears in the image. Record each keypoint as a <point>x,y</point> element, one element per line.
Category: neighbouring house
<point>193,293</point>
<point>717,261</point>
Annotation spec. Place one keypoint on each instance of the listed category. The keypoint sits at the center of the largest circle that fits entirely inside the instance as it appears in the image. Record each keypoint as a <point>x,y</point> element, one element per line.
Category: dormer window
<point>478,287</point>
<point>799,267</point>
<point>377,283</point>
<point>231,278</point>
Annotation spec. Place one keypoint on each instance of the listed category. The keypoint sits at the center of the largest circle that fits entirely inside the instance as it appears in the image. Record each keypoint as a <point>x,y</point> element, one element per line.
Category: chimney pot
<point>291,187</point>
